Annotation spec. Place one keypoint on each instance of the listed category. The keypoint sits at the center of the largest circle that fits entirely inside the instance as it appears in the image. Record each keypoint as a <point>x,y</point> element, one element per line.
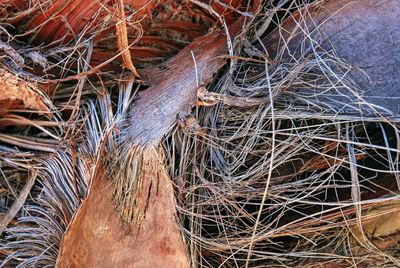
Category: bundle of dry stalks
<point>199,133</point>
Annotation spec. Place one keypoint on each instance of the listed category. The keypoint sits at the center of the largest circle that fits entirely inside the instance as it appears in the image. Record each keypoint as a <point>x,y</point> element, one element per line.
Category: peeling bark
<point>17,94</point>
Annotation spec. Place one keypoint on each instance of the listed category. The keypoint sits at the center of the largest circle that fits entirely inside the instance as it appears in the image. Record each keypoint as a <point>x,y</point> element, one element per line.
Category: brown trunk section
<point>99,237</point>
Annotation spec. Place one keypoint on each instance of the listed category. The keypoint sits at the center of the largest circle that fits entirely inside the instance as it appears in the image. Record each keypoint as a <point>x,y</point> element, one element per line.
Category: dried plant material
<point>16,61</point>
<point>18,203</point>
<point>381,223</point>
<point>189,124</point>
<point>165,31</point>
<point>18,94</point>
<point>207,98</point>
<point>350,31</point>
<point>176,93</point>
<point>143,192</point>
<point>240,199</point>
<point>284,155</point>
<point>44,221</point>
<point>38,58</point>
<point>122,38</point>
<point>98,229</point>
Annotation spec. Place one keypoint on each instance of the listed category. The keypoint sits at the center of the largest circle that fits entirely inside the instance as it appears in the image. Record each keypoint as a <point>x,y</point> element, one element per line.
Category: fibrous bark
<point>281,168</point>
<point>143,191</point>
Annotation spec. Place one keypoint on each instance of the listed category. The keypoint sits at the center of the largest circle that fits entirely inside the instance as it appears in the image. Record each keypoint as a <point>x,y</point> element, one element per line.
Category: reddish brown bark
<point>99,237</point>
<point>17,94</point>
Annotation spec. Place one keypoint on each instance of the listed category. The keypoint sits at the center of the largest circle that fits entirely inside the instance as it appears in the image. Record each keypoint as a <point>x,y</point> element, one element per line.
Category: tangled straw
<point>288,161</point>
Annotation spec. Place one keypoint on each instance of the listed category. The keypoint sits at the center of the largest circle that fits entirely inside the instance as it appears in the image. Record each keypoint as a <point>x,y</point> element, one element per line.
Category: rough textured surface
<point>176,87</point>
<point>165,31</point>
<point>99,237</point>
<point>365,33</point>
<point>16,93</point>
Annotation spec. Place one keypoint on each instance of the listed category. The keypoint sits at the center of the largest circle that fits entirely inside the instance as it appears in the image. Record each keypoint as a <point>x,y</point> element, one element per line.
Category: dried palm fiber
<point>19,95</point>
<point>143,192</point>
<point>35,238</point>
<point>76,97</point>
<point>62,182</point>
<point>296,146</point>
<point>33,148</point>
<point>231,154</point>
<point>61,30</point>
<point>156,30</point>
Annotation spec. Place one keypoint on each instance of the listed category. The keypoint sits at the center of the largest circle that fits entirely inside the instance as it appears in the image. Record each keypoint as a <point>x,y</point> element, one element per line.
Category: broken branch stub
<point>151,117</point>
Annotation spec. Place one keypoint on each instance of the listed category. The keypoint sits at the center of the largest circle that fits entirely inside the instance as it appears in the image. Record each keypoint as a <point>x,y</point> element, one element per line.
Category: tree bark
<point>98,235</point>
